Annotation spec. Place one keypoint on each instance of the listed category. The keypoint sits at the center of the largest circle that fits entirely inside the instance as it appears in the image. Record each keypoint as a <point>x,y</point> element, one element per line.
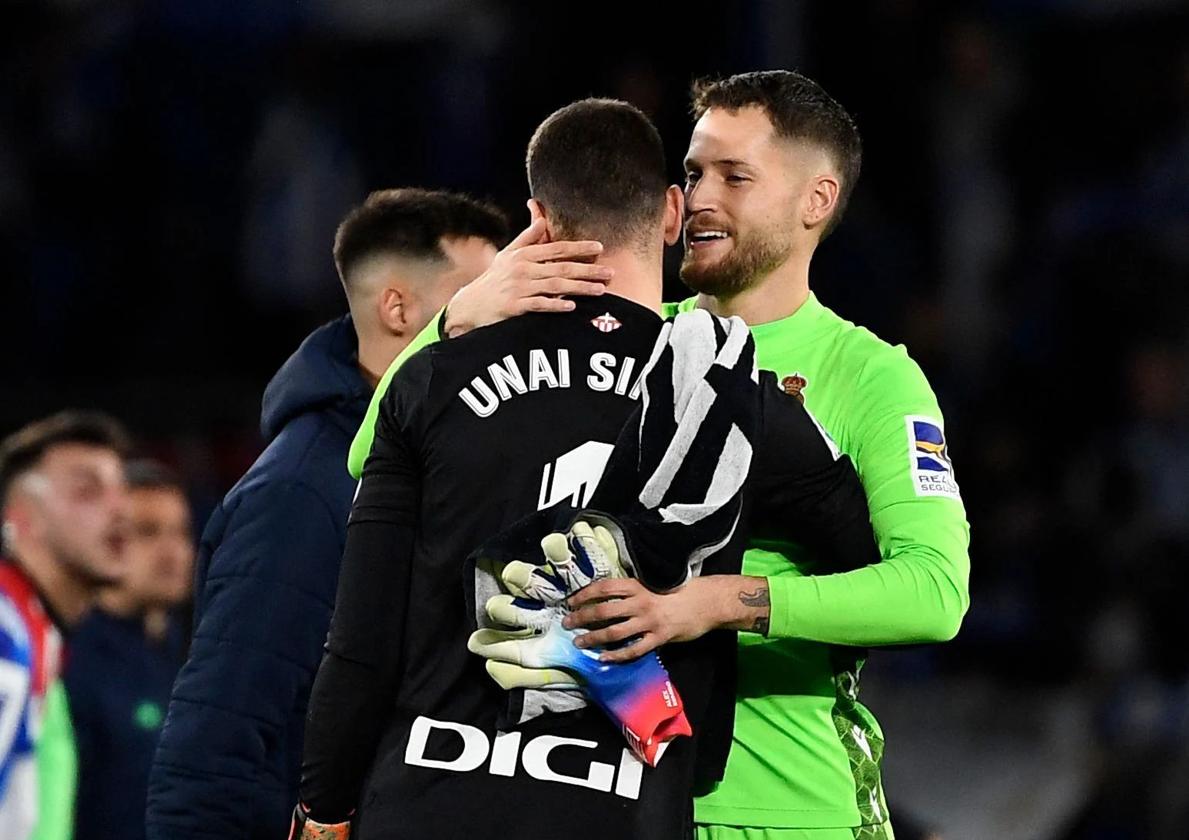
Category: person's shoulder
<point>870,358</point>
<point>291,493</point>
<point>319,431</point>
<point>308,492</point>
<point>523,327</point>
<point>409,388</point>
<point>277,529</point>
<point>417,369</point>
<point>95,643</point>
<point>439,365</point>
<point>427,380</point>
<point>310,450</point>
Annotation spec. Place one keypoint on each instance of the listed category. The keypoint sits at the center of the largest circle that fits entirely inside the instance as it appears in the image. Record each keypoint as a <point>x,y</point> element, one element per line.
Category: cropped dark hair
<point>799,110</point>
<point>598,166</point>
<point>23,449</point>
<point>411,222</point>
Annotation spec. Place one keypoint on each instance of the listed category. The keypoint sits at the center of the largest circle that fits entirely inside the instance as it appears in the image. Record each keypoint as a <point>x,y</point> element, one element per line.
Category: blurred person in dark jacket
<point>228,761</point>
<point>125,655</point>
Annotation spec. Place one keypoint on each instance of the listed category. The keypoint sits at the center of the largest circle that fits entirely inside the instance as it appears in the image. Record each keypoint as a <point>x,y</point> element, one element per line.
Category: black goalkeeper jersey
<point>473,435</point>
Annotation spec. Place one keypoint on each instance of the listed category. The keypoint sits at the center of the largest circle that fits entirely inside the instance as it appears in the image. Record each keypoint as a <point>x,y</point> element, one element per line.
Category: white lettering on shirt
<point>537,370</point>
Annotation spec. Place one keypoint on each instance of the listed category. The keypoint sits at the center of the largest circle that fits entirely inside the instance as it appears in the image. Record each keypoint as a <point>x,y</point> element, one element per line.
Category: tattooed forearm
<point>755,600</point>
<point>738,602</point>
<point>759,598</point>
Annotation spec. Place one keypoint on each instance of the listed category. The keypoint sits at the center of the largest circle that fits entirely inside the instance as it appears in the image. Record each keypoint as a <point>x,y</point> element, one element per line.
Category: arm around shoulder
<point>919,591</point>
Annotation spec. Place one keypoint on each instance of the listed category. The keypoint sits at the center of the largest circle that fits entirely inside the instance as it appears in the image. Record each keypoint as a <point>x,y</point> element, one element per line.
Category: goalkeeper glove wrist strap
<point>639,697</point>
<point>304,828</point>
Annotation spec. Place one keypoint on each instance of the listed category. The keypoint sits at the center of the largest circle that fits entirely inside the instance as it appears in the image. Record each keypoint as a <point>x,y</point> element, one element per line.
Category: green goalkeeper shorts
<point>738,832</point>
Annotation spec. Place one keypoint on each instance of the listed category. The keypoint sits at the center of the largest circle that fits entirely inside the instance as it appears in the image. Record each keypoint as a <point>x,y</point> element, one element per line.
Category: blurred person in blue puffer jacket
<point>227,764</point>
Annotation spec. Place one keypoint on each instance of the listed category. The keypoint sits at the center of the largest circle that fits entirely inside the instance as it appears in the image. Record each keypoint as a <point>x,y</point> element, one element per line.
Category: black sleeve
<point>357,678</point>
<point>803,490</point>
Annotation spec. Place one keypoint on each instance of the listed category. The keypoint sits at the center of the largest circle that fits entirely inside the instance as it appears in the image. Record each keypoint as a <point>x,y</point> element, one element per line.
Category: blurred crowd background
<point>172,172</point>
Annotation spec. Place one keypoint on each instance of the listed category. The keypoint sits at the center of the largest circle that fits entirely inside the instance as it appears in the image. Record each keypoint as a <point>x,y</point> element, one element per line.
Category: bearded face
<point>743,186</point>
<point>723,258</point>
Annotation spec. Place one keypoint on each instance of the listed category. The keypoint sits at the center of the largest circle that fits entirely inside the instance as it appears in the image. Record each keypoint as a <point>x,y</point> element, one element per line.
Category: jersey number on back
<point>574,475</point>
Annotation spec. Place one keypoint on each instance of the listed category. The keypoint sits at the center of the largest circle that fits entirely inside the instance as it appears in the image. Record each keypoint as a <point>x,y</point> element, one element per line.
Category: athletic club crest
<point>606,322</point>
<point>793,386</point>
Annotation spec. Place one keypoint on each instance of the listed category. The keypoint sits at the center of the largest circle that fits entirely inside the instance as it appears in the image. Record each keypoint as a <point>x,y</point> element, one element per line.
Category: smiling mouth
<point>702,238</point>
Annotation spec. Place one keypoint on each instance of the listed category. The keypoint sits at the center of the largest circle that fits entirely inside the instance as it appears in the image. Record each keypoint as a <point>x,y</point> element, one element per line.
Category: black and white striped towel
<point>675,480</point>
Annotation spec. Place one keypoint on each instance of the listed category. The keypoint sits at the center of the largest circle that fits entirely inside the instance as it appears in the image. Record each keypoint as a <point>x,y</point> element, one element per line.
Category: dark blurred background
<point>171,174</point>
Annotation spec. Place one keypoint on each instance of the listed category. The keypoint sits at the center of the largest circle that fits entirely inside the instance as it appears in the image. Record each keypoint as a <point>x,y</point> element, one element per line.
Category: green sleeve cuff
<point>782,592</point>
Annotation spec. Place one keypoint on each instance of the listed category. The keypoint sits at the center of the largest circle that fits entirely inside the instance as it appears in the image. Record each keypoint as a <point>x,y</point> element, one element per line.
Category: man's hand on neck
<point>531,274</point>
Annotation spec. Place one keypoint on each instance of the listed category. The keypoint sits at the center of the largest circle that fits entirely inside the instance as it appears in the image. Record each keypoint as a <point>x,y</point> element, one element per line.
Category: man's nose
<point>120,506</point>
<point>699,197</point>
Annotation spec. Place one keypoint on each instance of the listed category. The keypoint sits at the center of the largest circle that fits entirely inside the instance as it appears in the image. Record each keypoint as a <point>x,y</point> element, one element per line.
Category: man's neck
<point>156,623</point>
<point>776,296</point>
<point>67,596</point>
<point>639,279</point>
<point>376,354</point>
<point>121,604</point>
<point>116,601</point>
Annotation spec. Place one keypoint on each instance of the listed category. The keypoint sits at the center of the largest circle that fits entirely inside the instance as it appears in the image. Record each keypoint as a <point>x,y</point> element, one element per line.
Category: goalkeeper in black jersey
<point>404,735</point>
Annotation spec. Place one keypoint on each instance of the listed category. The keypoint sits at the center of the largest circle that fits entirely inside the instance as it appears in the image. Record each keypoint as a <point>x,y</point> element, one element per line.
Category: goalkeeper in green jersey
<point>771,164</point>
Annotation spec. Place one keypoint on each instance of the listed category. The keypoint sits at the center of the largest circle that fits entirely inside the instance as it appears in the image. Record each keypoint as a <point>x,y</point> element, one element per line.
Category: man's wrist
<point>741,602</point>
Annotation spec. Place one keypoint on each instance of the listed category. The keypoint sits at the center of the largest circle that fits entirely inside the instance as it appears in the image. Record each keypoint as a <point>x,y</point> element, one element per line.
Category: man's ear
<point>22,518</point>
<point>392,308</point>
<point>674,214</point>
<point>536,211</point>
<point>821,201</point>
